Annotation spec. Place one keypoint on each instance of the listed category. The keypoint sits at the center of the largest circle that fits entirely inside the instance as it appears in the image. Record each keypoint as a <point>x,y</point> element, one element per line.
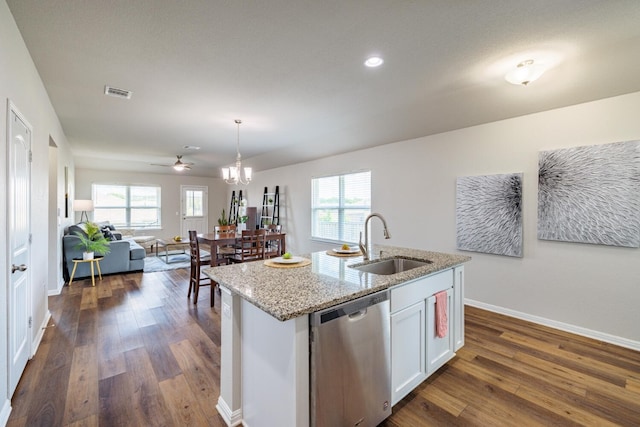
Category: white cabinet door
<point>439,350</point>
<point>458,308</point>
<point>407,350</point>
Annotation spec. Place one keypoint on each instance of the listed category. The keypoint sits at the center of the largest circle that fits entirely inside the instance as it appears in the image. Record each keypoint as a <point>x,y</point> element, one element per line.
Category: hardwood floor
<point>515,373</point>
<point>133,351</point>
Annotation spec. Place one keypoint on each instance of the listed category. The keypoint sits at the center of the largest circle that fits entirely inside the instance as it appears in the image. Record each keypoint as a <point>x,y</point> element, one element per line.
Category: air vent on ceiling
<point>118,93</point>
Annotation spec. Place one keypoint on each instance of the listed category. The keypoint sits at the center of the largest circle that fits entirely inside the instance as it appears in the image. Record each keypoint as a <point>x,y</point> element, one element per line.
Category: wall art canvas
<point>590,194</point>
<point>489,214</point>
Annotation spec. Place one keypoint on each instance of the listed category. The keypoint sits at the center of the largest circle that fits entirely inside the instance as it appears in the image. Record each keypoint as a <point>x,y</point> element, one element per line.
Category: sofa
<point>125,255</point>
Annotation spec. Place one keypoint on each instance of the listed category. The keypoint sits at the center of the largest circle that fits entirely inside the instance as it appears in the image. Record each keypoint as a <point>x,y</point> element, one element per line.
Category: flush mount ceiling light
<point>374,61</point>
<point>525,73</point>
<point>191,147</point>
<point>233,174</point>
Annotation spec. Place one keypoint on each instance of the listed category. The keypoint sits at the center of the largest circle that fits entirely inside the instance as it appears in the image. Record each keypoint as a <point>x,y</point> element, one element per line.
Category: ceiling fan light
<point>525,73</point>
<point>179,167</point>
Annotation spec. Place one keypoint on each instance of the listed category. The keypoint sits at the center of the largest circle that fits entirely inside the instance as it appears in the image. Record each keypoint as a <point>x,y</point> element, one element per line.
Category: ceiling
<point>293,72</point>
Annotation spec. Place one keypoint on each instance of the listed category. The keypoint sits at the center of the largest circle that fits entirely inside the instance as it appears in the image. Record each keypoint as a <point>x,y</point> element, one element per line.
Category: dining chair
<point>196,278</point>
<point>250,247</point>
<point>272,246</point>
<point>225,252</point>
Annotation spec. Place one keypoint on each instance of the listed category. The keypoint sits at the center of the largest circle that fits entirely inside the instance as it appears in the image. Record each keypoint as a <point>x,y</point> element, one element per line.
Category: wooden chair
<point>251,246</point>
<point>225,252</point>
<point>197,279</point>
<point>272,246</point>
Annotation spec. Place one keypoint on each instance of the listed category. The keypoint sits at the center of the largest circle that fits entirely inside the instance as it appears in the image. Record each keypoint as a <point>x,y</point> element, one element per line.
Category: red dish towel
<point>441,314</point>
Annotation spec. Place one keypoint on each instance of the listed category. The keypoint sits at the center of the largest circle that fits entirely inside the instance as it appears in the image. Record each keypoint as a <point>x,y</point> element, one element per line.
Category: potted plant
<point>270,201</point>
<point>242,222</point>
<point>92,241</point>
<point>223,219</point>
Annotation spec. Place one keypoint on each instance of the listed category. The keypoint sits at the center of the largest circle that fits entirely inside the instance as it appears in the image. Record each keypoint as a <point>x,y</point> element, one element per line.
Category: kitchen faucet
<point>364,248</point>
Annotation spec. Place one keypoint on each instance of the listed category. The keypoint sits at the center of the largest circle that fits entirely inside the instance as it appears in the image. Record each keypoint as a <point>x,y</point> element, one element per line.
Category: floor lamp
<point>84,206</point>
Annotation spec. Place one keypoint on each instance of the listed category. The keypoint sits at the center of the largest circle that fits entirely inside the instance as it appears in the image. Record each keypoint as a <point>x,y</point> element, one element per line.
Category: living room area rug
<point>177,259</point>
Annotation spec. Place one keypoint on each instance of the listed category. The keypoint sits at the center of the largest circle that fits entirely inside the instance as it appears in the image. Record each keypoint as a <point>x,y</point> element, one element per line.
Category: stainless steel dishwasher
<point>351,363</point>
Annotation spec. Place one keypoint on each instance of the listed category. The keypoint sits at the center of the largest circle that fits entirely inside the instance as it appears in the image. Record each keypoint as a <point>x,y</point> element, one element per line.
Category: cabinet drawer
<point>409,293</point>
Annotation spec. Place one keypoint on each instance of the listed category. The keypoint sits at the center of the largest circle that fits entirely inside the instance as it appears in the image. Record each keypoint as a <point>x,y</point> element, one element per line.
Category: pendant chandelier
<point>233,174</point>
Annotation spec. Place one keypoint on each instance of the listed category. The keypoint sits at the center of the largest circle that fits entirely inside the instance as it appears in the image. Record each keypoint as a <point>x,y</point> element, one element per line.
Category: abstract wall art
<point>590,194</point>
<point>489,214</point>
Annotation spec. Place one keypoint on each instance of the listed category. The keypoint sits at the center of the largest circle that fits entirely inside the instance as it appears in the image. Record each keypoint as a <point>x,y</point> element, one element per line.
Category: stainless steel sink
<point>391,266</point>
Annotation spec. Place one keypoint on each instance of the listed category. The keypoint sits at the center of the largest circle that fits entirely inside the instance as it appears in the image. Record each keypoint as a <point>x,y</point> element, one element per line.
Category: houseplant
<point>223,219</point>
<point>242,222</point>
<point>92,241</point>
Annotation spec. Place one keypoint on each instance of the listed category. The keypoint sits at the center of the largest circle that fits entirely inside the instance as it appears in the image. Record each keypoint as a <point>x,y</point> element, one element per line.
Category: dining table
<point>215,240</point>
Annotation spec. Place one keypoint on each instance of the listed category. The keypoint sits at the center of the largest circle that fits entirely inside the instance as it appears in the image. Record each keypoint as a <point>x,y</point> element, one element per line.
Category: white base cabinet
<point>439,350</point>
<point>408,350</point>
<point>416,350</point>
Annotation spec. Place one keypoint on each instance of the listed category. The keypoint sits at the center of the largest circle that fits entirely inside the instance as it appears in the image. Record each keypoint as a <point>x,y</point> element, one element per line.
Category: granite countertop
<point>286,293</point>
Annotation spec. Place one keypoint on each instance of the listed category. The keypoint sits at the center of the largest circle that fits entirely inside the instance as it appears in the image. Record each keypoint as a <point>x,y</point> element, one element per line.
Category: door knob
<point>20,267</point>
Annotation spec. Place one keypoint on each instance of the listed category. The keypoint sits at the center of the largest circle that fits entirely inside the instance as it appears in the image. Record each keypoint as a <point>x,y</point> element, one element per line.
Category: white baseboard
<point>231,418</point>
<point>601,336</point>
<point>38,338</point>
<point>58,290</point>
<point>4,412</point>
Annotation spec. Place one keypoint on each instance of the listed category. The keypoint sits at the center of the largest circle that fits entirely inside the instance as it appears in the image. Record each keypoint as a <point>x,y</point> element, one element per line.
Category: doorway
<point>56,282</point>
<point>193,206</point>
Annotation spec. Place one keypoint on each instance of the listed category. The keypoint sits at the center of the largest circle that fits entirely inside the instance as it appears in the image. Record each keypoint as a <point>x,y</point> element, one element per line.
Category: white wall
<point>170,187</point>
<point>413,184</point>
<point>20,82</point>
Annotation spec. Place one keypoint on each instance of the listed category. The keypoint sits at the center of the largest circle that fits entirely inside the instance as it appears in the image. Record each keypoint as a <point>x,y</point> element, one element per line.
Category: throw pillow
<point>106,232</point>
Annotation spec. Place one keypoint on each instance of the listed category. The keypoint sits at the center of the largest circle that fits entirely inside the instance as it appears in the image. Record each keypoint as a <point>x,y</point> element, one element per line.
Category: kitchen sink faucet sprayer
<point>364,248</point>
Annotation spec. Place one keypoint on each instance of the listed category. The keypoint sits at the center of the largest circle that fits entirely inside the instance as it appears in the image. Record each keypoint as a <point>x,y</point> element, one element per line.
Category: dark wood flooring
<point>133,351</point>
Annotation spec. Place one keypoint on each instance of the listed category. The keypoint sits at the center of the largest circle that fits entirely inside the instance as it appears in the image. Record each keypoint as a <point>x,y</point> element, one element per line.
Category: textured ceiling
<point>293,72</point>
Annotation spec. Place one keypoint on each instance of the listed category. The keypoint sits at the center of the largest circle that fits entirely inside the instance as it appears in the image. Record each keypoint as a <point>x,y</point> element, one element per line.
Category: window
<point>339,206</point>
<point>131,206</point>
<point>193,202</point>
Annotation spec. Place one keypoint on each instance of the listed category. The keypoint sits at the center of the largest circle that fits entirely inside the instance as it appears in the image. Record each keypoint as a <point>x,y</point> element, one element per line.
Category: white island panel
<point>275,369</point>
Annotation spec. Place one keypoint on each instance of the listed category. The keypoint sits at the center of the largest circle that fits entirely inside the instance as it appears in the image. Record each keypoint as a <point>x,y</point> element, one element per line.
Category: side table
<point>95,260</point>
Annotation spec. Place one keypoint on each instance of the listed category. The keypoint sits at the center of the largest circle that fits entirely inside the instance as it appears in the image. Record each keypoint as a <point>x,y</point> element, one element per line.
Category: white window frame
<point>128,206</point>
<point>341,207</point>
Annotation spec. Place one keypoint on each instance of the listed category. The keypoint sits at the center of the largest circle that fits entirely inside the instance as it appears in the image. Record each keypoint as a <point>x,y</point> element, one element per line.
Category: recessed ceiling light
<point>374,61</point>
<point>191,147</point>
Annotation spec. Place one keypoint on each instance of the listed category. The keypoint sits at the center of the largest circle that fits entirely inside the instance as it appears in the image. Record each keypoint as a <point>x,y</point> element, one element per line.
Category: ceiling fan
<point>179,165</point>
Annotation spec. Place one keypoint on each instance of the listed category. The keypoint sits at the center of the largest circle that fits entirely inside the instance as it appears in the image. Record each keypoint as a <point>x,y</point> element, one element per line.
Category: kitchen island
<point>264,374</point>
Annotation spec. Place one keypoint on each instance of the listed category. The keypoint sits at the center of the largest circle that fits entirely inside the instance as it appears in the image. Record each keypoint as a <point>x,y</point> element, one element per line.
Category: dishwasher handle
<point>353,309</point>
<point>358,314</point>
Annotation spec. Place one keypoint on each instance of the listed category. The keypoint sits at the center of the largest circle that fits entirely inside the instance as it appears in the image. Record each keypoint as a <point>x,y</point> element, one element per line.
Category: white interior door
<point>19,214</point>
<point>194,202</point>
